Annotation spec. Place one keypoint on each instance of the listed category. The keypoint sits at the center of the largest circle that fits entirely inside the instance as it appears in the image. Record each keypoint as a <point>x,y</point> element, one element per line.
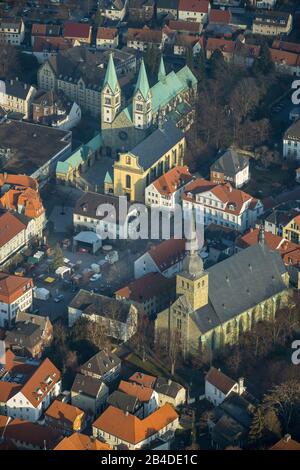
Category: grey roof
<point>29,317</point>
<point>124,402</point>
<point>89,202</point>
<point>239,283</point>
<point>230,163</point>
<point>271,17</point>
<point>96,304</point>
<point>24,334</point>
<point>168,4</point>
<point>167,387</point>
<point>87,385</point>
<point>157,144</point>
<point>16,88</point>
<point>100,363</point>
<point>293,132</point>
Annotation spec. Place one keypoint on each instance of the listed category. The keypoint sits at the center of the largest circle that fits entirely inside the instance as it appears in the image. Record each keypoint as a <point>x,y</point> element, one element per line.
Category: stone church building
<point>214,306</point>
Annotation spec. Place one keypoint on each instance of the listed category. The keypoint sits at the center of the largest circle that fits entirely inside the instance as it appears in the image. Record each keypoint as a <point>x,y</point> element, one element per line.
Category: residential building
<point>220,242</point>
<point>140,11</point>
<point>190,10</point>
<point>44,323</point>
<point>14,235</point>
<point>272,23</point>
<point>12,31</point>
<point>55,109</point>
<point>214,306</point>
<point>25,435</point>
<point>276,219</point>
<point>15,296</point>
<point>231,167</point>
<point>36,392</point>
<point>147,396</point>
<point>127,403</point>
<point>103,366</point>
<point>114,10</point>
<point>46,47</point>
<point>217,16</point>
<point>90,213</point>
<point>116,427</point>
<point>222,204</point>
<point>79,441</point>
<point>291,142</point>
<point>186,27</point>
<point>264,4</point>
<point>39,30</point>
<point>25,201</point>
<point>291,231</point>
<point>285,62</point>
<point>167,9</point>
<point>119,317</point>
<point>166,191</point>
<point>79,73</point>
<point>107,38</point>
<point>165,258</point>
<point>80,32</point>
<point>238,52</point>
<point>152,291</point>
<point>154,156</point>
<point>65,418</point>
<point>32,149</point>
<point>145,380</point>
<point>144,38</point>
<point>171,97</point>
<point>24,339</point>
<point>170,392</point>
<point>89,394</point>
<point>219,386</point>
<point>16,97</point>
<point>184,42</point>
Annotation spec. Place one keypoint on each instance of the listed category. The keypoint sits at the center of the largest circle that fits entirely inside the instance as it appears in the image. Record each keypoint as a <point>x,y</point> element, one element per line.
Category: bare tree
<point>284,399</point>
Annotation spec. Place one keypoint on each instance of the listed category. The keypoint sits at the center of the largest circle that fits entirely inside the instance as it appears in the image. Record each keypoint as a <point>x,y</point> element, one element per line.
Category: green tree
<point>58,258</point>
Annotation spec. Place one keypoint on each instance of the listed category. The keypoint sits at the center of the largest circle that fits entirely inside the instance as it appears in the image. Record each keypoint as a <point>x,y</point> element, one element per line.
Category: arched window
<point>128,181</point>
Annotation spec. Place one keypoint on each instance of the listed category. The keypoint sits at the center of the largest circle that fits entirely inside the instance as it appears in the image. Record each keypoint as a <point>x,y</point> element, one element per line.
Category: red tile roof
<point>144,34</point>
<point>221,44</point>
<point>191,26</point>
<point>131,429</point>
<point>145,288</point>
<point>167,253</point>
<point>12,287</point>
<point>77,30</point>
<point>79,441</point>
<point>135,390</point>
<point>107,33</point>
<point>286,46</point>
<point>220,16</point>
<point>18,180</point>
<point>10,227</point>
<point>285,58</point>
<point>169,182</point>
<point>7,390</point>
<point>48,44</point>
<point>286,443</point>
<point>41,382</point>
<point>219,380</point>
<point>38,29</point>
<point>31,434</point>
<point>274,242</point>
<point>199,6</point>
<point>63,412</point>
<point>143,379</point>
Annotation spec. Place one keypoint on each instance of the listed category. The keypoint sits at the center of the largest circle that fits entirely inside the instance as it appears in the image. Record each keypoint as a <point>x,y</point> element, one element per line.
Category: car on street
<point>95,277</point>
<point>58,298</point>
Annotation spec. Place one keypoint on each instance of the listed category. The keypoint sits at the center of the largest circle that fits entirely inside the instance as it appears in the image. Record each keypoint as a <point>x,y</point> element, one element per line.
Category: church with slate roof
<point>171,97</point>
<point>214,306</point>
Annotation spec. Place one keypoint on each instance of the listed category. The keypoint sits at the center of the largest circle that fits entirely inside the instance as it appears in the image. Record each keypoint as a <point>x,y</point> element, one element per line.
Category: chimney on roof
<point>241,385</point>
<point>287,438</point>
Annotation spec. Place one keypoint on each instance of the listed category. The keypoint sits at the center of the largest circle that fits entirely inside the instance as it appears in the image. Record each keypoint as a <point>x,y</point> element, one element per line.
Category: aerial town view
<point>149,227</point>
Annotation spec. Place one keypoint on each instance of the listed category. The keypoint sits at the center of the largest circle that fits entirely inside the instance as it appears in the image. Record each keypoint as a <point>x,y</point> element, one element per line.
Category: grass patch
<point>148,366</point>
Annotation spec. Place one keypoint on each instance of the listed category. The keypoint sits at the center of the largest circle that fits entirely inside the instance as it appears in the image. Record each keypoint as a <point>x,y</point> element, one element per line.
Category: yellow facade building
<point>292,230</point>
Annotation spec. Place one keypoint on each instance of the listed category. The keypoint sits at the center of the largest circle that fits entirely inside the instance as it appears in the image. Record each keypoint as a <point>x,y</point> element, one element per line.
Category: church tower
<point>162,70</point>
<point>110,94</point>
<point>142,101</point>
<point>193,280</point>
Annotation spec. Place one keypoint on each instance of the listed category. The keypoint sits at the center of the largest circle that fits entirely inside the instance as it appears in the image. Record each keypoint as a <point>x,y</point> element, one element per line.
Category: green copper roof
<point>142,83</point>
<point>161,70</point>
<point>108,178</point>
<point>110,76</point>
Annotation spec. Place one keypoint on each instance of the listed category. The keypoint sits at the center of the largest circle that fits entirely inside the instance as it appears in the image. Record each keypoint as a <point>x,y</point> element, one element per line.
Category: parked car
<point>95,277</point>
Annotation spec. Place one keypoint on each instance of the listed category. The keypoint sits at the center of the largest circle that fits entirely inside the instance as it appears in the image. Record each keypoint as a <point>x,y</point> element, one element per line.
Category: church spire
<point>161,70</point>
<point>110,76</point>
<point>192,264</point>
<point>261,235</point>
<point>142,84</point>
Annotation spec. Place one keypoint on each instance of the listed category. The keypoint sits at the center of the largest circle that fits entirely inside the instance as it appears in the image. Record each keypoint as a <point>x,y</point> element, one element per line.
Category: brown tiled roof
<point>36,388</point>
<point>221,44</point>
<point>79,441</point>
<point>10,227</point>
<point>139,391</point>
<point>38,29</point>
<point>286,443</point>
<point>18,180</point>
<point>286,46</point>
<point>144,34</point>
<point>12,287</point>
<point>145,288</point>
<point>42,44</point>
<point>7,390</point>
<point>283,57</point>
<point>200,6</point>
<point>178,25</point>
<point>77,30</point>
<point>219,16</point>
<point>219,380</point>
<point>143,379</point>
<point>167,253</point>
<point>131,429</point>
<point>63,412</point>
<point>107,33</point>
<point>31,434</point>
